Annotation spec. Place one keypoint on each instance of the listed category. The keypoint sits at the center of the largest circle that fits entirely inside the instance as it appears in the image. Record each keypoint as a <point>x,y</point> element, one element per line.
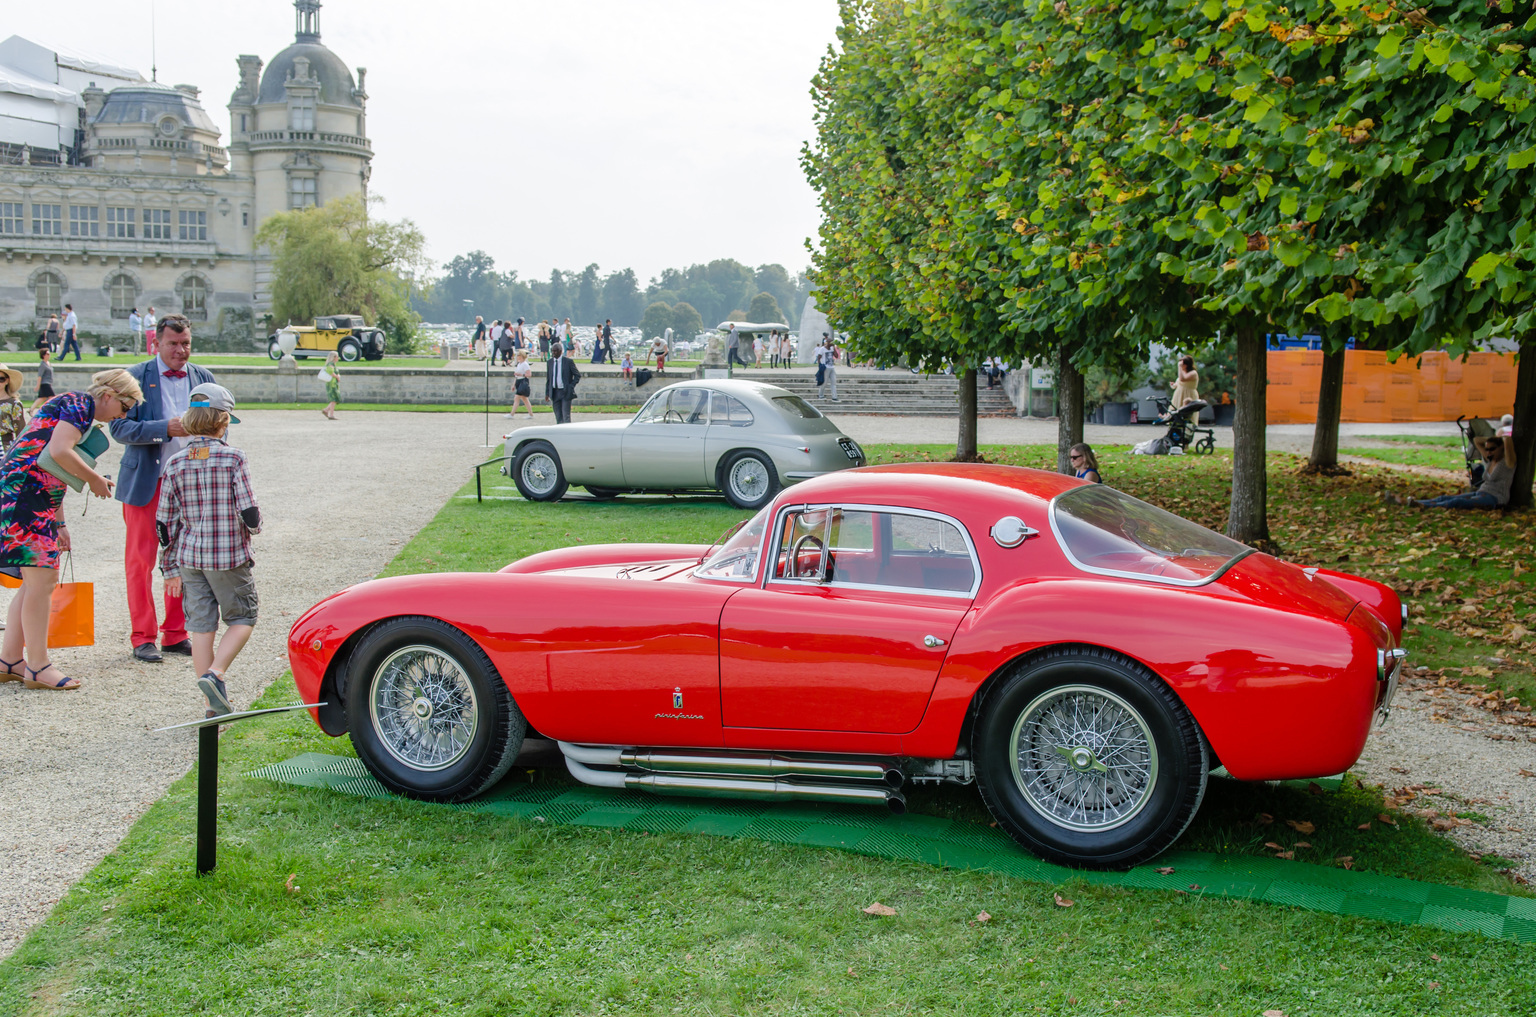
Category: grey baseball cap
<point>214,397</point>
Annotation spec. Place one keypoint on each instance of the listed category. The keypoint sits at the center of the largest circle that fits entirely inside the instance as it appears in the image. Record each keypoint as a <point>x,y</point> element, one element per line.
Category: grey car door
<point>664,446</point>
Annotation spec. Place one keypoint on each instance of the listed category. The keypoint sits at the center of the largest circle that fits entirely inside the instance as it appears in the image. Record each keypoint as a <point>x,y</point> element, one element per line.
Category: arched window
<point>50,294</point>
<point>194,298</point>
<point>124,293</point>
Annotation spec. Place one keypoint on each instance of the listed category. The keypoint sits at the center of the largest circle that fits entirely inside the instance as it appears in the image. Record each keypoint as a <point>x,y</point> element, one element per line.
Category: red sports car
<point>1086,659</point>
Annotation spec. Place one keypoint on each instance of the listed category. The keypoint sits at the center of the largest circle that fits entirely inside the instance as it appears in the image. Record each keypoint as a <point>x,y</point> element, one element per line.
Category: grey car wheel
<point>274,350</point>
<point>349,350</point>
<point>536,472</point>
<point>749,480</point>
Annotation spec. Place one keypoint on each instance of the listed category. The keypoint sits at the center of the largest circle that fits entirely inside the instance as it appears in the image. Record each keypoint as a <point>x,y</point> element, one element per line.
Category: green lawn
<point>329,904</point>
<point>1446,440</point>
<point>1439,456</point>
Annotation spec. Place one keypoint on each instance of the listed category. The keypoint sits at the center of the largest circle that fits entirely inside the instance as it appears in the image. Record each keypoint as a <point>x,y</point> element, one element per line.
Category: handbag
<point>89,448</point>
<point>324,375</point>
<point>72,612</point>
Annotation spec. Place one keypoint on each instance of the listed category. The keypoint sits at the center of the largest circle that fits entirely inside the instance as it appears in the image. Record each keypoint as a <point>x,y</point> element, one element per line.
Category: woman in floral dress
<point>32,532</point>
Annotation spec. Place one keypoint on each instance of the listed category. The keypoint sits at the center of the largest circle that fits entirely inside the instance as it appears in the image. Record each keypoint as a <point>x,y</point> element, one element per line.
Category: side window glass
<point>927,554</point>
<point>729,411</point>
<point>688,406</point>
<point>851,557</point>
<point>802,545</point>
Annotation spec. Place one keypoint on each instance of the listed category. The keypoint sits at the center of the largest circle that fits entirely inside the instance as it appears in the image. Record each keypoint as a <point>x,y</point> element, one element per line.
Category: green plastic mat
<point>960,845</point>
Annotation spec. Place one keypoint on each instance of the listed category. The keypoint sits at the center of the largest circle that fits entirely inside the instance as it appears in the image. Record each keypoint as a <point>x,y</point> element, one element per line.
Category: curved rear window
<point>794,407</point>
<point>1105,531</point>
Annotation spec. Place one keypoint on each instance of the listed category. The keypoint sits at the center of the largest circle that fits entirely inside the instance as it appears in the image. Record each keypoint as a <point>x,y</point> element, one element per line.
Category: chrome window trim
<point>1061,542</point>
<point>965,534</point>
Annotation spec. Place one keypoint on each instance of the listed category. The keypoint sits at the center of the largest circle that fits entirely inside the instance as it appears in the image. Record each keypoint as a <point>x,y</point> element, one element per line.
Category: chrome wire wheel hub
<point>423,708</point>
<point>749,480</point>
<point>539,473</point>
<point>1083,758</point>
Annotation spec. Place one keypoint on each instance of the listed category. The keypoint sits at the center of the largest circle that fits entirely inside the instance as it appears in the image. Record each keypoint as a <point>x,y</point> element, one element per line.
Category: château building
<point>118,192</point>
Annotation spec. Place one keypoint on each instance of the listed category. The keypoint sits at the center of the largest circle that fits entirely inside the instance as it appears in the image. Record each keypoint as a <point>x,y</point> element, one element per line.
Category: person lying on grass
<point>1493,492</point>
<point>205,520</point>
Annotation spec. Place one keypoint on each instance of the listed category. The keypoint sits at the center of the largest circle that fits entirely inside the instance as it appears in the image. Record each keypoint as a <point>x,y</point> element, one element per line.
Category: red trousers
<point>141,555</point>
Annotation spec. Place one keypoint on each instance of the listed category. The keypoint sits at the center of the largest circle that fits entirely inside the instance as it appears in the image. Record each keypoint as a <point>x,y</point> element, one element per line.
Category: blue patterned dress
<point>29,495</point>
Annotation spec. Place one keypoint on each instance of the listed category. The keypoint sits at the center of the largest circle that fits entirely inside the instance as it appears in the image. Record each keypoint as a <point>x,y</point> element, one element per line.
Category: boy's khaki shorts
<point>205,592</point>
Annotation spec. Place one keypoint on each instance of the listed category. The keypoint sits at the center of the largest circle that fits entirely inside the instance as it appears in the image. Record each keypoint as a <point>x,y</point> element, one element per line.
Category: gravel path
<point>340,498</point>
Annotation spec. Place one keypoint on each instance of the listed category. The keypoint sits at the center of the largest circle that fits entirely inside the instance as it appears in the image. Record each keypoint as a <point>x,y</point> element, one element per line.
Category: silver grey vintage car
<point>743,438</point>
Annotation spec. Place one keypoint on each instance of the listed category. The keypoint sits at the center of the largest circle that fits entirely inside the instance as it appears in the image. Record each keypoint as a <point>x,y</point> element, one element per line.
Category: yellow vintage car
<point>347,334</point>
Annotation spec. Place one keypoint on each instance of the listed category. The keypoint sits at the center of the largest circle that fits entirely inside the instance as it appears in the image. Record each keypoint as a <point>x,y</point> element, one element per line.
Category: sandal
<point>10,674</point>
<point>65,684</point>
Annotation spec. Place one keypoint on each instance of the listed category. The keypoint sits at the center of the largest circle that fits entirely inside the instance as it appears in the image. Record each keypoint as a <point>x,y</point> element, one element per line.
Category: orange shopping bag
<point>72,615</point>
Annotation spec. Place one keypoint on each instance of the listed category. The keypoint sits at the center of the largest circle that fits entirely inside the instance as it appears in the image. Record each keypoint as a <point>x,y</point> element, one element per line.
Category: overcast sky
<point>639,133</point>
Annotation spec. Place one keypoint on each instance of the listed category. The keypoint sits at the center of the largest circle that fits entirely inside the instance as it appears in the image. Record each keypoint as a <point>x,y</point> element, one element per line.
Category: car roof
<point>949,488</point>
<point>731,386</point>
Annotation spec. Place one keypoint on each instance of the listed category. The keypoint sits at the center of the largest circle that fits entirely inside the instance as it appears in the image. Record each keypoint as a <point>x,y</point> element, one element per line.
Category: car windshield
<point>1103,530</point>
<point>737,559</point>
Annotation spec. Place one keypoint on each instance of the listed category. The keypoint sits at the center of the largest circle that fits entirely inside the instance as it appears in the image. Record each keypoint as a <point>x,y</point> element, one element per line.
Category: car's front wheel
<point>1088,758</point>
<point>349,350</point>
<point>537,473</point>
<point>428,714</point>
<point>749,479</point>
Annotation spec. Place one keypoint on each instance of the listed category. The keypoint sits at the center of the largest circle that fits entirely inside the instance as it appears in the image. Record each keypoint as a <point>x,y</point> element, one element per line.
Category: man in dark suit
<point>560,378</point>
<point>151,434</point>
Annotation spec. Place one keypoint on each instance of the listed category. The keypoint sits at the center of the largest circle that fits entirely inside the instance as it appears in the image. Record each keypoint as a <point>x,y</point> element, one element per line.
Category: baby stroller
<point>1473,431</point>
<point>1183,430</point>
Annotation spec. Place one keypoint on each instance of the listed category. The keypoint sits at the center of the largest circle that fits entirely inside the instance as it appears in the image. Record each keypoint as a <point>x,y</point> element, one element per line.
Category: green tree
<point>686,323</point>
<point>765,309</point>
<point>656,320</point>
<point>584,306</point>
<point>336,259</point>
<point>621,297</point>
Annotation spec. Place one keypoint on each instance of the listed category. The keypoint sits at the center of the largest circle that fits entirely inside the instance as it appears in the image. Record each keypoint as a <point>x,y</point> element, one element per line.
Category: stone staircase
<point>891,392</point>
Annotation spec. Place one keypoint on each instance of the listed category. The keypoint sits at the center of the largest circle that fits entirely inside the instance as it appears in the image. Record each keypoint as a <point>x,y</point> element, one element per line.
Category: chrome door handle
<point>932,641</point>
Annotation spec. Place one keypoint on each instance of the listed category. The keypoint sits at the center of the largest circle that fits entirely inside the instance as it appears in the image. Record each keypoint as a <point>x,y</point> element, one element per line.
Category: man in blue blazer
<point>152,433</point>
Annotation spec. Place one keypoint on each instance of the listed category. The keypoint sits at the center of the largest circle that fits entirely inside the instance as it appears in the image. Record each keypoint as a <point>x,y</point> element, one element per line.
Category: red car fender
<point>1379,597</point>
<point>1279,694</point>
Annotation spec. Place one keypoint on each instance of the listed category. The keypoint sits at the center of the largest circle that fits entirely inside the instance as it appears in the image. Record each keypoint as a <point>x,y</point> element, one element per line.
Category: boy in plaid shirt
<point>206,517</point>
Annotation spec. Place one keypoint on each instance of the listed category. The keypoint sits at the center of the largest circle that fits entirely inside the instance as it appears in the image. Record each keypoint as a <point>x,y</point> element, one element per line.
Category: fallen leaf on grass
<point>288,883</point>
<point>1274,1013</point>
<point>1364,826</point>
<point>1435,957</point>
<point>1194,886</point>
<point>1062,902</point>
<point>1386,819</point>
<point>1434,985</point>
<point>1346,861</point>
<point>1287,855</point>
<point>1315,788</point>
<point>982,916</point>
<point>1166,870</point>
<point>1301,826</point>
<point>879,909</point>
<point>1301,844</point>
<point>1271,844</point>
<point>1265,818</point>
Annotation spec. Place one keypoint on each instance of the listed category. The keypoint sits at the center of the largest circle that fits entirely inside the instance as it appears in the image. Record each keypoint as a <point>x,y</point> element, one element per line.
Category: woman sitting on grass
<point>1085,465</point>
<point>1493,492</point>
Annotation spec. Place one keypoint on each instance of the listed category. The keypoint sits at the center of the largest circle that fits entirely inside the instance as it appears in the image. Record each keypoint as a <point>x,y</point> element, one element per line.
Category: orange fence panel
<point>1431,387</point>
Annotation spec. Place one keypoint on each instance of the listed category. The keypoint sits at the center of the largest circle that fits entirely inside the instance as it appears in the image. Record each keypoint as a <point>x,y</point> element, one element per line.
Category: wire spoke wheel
<point>748,479</point>
<point>1084,758</point>
<point>539,473</point>
<point>423,707</point>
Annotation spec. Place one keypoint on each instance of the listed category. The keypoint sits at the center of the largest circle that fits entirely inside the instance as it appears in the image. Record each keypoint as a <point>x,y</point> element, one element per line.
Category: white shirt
<point>69,321</point>
<point>522,369</point>
<point>557,375</point>
<point>826,355</point>
<point>135,322</point>
<point>149,321</point>
<point>175,397</point>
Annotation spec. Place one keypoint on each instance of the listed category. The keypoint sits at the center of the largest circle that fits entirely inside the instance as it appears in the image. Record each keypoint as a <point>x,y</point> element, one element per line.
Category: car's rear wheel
<point>537,473</point>
<point>1087,758</point>
<point>749,479</point>
<point>428,714</point>
<point>349,350</point>
<point>274,350</point>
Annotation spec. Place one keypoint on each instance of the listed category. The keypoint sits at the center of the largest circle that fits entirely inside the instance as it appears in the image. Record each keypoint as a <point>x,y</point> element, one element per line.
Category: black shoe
<point>147,653</point>
<point>184,648</point>
<point>212,687</point>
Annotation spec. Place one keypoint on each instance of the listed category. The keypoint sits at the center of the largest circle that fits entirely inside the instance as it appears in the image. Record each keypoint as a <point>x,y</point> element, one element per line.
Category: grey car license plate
<point>850,448</point>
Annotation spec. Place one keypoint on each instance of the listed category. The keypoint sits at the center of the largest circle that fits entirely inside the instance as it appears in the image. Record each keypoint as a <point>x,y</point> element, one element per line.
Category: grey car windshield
<point>1103,530</point>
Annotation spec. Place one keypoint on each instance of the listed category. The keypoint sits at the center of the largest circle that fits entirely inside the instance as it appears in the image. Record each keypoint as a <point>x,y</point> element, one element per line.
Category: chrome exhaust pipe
<point>732,764</point>
<point>746,787</point>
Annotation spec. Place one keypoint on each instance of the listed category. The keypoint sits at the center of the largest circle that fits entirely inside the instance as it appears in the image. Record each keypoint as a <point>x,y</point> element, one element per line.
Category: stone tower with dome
<point>116,193</point>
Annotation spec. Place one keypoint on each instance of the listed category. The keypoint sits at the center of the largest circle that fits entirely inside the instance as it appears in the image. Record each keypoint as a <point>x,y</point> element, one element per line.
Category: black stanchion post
<point>207,799</point>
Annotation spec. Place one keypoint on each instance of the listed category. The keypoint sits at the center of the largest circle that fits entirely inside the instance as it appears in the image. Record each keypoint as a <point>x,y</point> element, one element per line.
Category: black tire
<point>349,350</point>
<point>1205,446</point>
<point>530,472</point>
<point>603,493</point>
<point>274,350</point>
<point>1122,825</point>
<point>748,479</point>
<point>468,754</point>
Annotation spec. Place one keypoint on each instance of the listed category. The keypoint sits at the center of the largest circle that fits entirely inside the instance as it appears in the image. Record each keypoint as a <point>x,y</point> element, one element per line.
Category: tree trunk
<point>1525,424</point>
<point>1069,409</point>
<point>1249,521</point>
<point>965,446</point>
<point>1330,400</point>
